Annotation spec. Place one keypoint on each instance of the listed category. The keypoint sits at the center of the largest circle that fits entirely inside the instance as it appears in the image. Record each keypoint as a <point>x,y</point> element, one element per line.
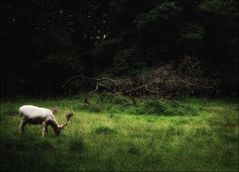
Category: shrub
<point>158,107</point>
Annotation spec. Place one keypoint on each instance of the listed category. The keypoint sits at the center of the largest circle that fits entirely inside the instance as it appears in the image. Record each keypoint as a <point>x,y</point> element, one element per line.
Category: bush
<point>161,107</point>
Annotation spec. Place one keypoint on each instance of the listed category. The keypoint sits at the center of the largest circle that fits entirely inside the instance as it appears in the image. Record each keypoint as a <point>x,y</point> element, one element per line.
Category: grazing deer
<point>37,115</point>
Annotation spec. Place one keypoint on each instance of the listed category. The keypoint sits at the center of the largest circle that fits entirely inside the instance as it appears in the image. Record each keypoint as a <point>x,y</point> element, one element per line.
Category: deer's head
<point>58,128</point>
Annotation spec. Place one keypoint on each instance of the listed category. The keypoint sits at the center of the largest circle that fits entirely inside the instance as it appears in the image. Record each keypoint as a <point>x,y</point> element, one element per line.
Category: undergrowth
<point>143,105</point>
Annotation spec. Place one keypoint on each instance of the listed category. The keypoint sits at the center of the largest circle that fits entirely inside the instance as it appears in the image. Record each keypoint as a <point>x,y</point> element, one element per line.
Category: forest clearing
<point>105,136</point>
<point>120,85</point>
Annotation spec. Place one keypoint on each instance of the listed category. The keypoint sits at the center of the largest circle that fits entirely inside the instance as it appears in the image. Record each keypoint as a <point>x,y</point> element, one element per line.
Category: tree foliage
<point>46,42</point>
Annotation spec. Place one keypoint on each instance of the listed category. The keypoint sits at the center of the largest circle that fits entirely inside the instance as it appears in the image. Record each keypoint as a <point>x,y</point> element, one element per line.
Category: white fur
<point>33,112</point>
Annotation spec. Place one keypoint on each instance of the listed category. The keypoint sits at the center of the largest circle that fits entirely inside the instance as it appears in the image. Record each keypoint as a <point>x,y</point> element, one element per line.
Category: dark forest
<point>44,43</point>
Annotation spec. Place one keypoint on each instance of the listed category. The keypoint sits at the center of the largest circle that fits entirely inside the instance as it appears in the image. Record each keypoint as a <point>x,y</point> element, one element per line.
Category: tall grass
<point>108,135</point>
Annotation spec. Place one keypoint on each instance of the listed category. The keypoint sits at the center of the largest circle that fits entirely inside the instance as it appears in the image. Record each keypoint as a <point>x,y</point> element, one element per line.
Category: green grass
<point>109,135</point>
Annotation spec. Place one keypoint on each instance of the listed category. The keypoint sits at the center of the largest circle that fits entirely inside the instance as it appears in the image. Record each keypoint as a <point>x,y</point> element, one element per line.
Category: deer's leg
<point>44,129</point>
<point>23,123</point>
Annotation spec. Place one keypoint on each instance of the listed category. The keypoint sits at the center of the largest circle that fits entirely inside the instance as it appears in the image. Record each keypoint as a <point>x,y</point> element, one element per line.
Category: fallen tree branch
<point>167,80</point>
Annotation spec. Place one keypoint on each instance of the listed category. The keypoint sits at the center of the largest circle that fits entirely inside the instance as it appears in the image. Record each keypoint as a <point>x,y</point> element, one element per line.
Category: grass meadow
<point>109,135</point>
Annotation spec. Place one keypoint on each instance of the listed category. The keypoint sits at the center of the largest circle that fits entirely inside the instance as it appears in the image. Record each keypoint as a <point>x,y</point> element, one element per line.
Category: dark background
<point>45,42</point>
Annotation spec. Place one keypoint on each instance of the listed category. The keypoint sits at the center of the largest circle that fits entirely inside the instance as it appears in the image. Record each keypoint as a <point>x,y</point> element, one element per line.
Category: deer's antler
<point>68,118</point>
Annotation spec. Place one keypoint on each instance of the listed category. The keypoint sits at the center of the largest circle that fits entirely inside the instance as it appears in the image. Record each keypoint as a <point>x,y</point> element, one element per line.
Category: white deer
<point>37,115</point>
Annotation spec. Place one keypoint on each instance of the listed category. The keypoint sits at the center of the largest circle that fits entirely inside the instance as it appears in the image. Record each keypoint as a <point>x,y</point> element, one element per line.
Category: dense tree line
<point>44,42</point>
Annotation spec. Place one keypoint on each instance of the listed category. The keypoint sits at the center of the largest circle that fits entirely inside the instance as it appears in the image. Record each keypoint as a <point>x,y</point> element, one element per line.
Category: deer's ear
<point>55,111</point>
